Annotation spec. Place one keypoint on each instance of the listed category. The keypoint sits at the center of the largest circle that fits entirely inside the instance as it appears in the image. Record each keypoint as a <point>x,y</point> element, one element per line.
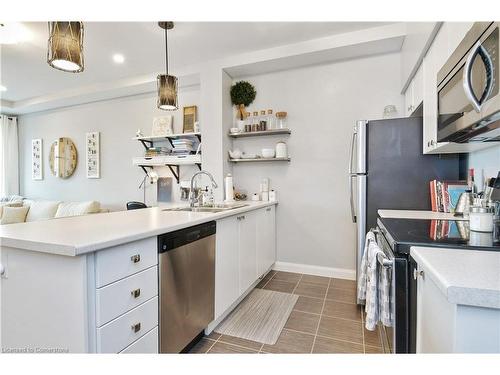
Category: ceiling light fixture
<point>118,58</point>
<point>166,84</point>
<point>65,50</point>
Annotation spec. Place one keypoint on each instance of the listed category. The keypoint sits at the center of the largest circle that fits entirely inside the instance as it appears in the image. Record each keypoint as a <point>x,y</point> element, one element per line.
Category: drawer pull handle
<point>268,209</point>
<point>136,327</point>
<point>135,258</point>
<point>136,293</point>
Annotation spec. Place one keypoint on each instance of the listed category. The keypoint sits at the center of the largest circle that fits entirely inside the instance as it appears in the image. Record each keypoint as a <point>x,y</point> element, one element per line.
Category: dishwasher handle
<point>173,240</point>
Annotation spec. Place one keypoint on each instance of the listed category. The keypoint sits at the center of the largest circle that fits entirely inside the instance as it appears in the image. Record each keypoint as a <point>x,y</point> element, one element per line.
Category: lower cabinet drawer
<point>115,299</point>
<point>124,260</point>
<point>116,335</point>
<point>147,344</point>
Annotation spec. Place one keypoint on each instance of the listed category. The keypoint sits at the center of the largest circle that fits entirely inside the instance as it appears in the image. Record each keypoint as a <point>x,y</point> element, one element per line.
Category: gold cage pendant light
<point>166,84</point>
<point>65,50</point>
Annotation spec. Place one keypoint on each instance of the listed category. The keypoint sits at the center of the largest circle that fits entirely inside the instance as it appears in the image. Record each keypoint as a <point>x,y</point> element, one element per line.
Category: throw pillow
<point>12,215</point>
<point>41,210</point>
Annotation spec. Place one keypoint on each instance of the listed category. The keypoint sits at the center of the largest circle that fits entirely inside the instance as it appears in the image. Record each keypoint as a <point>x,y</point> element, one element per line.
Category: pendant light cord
<point>166,48</point>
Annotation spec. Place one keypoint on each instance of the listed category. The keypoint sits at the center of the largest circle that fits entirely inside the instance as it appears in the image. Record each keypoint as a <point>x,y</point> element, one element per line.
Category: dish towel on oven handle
<point>385,299</point>
<point>374,286</point>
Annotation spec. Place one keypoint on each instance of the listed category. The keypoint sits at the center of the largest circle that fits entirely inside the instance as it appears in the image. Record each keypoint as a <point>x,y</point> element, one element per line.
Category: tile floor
<point>325,319</point>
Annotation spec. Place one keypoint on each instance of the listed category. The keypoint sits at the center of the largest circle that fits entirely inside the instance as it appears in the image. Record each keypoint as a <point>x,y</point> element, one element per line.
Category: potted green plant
<point>242,95</point>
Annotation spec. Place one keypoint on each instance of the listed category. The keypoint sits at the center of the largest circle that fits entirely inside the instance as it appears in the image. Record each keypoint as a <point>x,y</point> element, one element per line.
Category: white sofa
<point>18,210</point>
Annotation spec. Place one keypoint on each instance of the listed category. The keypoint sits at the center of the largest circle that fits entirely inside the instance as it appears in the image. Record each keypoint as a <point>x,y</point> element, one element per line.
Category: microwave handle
<point>478,49</point>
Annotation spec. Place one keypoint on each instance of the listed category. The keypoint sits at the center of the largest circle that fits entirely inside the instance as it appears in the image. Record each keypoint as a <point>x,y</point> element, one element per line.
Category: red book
<point>432,186</point>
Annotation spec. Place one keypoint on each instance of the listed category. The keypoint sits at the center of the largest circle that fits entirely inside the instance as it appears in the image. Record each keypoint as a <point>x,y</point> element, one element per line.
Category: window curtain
<point>9,156</point>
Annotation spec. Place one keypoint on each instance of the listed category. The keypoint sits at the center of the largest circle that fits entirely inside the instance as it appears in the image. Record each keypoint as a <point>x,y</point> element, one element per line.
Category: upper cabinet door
<point>417,38</point>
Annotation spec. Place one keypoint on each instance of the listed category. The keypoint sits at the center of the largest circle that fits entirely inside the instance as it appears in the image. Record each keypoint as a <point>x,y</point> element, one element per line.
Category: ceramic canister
<point>281,150</point>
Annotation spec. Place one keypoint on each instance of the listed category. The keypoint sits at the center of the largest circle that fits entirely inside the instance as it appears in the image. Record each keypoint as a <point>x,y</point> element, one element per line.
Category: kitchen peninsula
<point>90,283</point>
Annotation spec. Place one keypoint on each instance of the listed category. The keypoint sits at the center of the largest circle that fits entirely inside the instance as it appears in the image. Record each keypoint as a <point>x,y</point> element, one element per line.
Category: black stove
<point>436,233</point>
<point>397,236</point>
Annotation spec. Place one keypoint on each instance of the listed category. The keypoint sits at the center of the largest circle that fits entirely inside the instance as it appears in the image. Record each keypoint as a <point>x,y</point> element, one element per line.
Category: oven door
<point>387,338</point>
<point>395,339</point>
<point>469,87</point>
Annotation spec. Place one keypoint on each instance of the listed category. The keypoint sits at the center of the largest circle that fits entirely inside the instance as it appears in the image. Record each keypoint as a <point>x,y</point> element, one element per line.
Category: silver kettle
<point>465,201</point>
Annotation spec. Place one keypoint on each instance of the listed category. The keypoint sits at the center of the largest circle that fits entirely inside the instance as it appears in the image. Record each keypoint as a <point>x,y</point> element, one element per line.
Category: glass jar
<point>263,121</point>
<point>248,122</point>
<point>255,121</point>
<point>270,120</point>
<point>281,120</point>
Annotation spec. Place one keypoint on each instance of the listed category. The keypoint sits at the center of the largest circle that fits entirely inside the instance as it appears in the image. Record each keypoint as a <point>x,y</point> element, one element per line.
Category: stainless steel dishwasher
<point>187,283</point>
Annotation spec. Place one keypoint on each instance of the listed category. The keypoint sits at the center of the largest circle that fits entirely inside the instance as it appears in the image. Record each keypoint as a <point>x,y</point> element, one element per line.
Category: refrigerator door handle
<point>351,155</point>
<point>351,197</point>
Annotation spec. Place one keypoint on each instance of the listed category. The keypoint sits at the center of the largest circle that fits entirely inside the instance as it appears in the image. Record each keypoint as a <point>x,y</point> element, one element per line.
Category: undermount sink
<point>214,209</point>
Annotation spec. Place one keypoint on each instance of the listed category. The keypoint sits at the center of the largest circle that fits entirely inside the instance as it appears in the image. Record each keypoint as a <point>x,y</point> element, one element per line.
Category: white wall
<point>117,120</point>
<point>323,103</point>
<point>486,163</point>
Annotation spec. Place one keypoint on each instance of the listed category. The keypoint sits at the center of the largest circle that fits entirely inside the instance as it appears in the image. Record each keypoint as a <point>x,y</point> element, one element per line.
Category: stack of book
<point>445,194</point>
<point>182,146</point>
<point>156,151</point>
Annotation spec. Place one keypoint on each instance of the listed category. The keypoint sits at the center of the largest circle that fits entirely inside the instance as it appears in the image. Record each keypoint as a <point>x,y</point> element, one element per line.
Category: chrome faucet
<point>192,198</point>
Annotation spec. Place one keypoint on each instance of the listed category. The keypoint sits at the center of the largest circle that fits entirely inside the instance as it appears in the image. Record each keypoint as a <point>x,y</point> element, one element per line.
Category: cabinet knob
<point>136,327</point>
<point>135,258</point>
<point>2,270</point>
<point>432,142</point>
<point>268,209</point>
<point>416,274</point>
<point>136,292</point>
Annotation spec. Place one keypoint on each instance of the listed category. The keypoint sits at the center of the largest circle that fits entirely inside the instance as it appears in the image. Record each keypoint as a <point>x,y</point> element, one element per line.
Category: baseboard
<point>339,273</point>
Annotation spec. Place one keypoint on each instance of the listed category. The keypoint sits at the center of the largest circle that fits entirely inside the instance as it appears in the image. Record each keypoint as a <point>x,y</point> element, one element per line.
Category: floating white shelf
<point>157,161</point>
<point>260,133</point>
<point>258,160</point>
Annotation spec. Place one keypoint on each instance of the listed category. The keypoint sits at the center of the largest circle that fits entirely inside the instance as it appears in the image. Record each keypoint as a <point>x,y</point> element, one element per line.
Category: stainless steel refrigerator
<point>387,170</point>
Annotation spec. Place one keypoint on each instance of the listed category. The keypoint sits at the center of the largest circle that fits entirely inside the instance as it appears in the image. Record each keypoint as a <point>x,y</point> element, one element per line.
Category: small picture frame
<point>162,125</point>
<point>189,118</point>
<point>92,145</point>
<point>36,159</point>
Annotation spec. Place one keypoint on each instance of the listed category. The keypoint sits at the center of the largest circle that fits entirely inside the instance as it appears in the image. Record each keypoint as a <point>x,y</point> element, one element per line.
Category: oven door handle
<point>478,50</point>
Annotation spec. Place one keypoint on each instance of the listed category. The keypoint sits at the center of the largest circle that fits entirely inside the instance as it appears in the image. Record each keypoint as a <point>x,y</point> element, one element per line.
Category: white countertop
<point>83,234</point>
<point>466,277</point>
<point>414,214</point>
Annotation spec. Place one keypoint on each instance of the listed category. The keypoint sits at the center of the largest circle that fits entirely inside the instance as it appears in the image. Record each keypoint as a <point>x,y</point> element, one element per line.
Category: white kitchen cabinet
<point>409,100</point>
<point>79,304</point>
<point>414,93</point>
<point>417,38</point>
<point>444,44</point>
<point>247,232</point>
<point>227,273</point>
<point>245,251</point>
<point>444,327</point>
<point>266,239</point>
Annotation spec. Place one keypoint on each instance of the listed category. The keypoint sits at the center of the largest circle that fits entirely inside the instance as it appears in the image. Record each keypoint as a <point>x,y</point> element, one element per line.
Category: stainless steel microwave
<point>468,89</point>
